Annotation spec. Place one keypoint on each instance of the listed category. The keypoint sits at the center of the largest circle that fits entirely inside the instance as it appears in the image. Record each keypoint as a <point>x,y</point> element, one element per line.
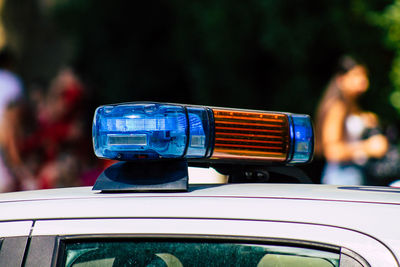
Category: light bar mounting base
<point>144,176</point>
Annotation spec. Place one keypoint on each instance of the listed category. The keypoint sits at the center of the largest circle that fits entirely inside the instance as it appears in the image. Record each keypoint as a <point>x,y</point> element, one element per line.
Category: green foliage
<point>264,54</point>
<point>389,20</point>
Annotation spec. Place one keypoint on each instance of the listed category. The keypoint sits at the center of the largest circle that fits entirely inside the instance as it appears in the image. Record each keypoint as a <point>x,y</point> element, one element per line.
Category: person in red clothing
<point>48,145</point>
<point>61,131</point>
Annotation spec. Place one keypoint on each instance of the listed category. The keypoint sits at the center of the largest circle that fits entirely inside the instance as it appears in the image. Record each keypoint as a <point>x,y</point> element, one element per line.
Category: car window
<point>177,254</point>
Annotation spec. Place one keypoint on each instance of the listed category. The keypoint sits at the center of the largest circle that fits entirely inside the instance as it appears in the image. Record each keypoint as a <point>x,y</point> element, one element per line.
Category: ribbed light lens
<point>251,135</point>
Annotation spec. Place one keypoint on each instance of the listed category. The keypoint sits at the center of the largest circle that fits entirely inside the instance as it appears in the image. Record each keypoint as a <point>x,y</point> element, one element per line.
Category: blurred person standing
<point>20,147</point>
<point>62,131</point>
<point>11,90</point>
<point>43,137</point>
<point>10,84</point>
<point>346,135</point>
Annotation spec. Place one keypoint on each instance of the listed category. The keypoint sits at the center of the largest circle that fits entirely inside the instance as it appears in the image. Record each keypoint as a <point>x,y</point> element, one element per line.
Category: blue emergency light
<point>155,142</point>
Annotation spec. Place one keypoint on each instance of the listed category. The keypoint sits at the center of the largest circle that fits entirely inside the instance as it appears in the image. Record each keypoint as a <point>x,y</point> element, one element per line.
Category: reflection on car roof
<point>384,195</point>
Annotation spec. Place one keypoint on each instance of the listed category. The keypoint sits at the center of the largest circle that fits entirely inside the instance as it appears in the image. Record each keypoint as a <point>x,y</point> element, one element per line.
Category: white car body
<point>361,221</point>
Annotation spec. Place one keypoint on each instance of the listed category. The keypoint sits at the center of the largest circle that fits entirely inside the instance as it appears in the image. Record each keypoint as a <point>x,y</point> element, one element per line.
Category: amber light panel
<point>250,135</point>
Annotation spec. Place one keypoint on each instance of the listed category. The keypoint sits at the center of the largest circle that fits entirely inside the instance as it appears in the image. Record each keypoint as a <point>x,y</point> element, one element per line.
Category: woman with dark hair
<point>342,124</point>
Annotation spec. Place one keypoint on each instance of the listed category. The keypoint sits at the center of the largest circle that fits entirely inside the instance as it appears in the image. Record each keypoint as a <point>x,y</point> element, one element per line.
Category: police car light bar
<point>143,131</point>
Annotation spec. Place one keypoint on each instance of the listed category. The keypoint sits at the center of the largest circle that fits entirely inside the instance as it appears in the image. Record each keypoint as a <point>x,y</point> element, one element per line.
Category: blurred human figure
<point>342,125</point>
<point>46,139</point>
<point>65,134</point>
<point>11,90</point>
<point>21,150</point>
<point>10,83</point>
<point>61,129</point>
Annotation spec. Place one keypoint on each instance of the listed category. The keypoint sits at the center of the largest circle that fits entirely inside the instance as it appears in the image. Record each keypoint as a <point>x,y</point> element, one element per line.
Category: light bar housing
<point>142,130</point>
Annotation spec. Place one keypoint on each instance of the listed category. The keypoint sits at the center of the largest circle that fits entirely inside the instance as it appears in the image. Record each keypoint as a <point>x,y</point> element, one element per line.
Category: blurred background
<point>257,54</point>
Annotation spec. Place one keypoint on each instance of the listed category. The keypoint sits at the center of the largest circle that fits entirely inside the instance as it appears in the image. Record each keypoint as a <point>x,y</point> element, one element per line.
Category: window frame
<point>14,236</point>
<point>59,252</point>
<point>12,250</point>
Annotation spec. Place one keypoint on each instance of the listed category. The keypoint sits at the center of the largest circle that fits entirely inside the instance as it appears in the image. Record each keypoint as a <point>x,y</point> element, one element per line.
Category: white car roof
<point>372,211</point>
<point>367,194</point>
<point>349,206</point>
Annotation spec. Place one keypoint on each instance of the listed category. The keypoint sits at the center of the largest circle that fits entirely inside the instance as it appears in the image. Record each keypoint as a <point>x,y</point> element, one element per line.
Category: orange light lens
<point>250,135</point>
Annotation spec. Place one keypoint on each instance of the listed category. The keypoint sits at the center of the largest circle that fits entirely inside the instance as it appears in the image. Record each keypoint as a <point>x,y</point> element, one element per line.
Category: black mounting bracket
<point>266,174</point>
<point>144,176</point>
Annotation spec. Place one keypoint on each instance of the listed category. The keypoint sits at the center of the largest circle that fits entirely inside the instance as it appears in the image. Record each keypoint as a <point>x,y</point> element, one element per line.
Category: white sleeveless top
<point>354,127</point>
